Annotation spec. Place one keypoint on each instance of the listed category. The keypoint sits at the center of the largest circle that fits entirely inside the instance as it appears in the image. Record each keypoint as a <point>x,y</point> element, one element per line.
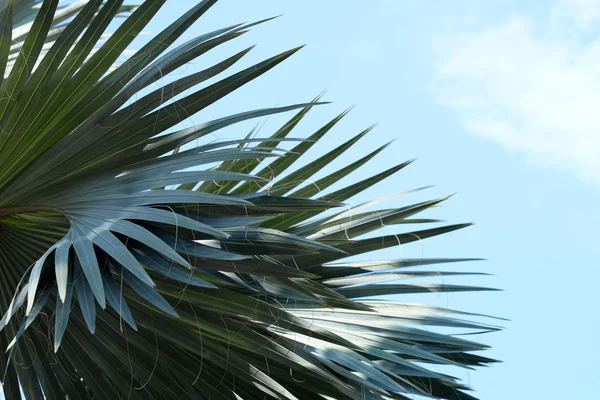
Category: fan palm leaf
<point>135,263</point>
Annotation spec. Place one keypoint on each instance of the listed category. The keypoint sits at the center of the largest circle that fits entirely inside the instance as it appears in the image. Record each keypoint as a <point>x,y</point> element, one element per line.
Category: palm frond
<point>136,264</point>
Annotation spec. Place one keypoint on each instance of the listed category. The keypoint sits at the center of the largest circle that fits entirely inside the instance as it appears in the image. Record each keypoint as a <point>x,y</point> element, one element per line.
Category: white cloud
<point>526,87</point>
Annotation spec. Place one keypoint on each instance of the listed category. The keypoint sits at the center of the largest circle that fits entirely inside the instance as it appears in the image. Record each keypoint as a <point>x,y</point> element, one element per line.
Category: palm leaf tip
<point>132,255</point>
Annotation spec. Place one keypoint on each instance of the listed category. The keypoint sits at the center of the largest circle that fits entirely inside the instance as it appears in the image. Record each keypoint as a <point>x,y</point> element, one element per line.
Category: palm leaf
<point>118,279</point>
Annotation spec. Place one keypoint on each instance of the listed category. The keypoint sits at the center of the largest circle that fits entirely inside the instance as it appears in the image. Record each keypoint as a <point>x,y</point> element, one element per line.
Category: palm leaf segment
<point>232,286</point>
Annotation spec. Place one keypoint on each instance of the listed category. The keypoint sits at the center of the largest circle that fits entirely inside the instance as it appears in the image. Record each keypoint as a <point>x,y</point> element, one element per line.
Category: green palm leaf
<point>135,264</point>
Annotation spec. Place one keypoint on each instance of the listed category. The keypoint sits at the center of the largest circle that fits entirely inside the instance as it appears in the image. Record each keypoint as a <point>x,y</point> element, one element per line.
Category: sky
<point>496,100</point>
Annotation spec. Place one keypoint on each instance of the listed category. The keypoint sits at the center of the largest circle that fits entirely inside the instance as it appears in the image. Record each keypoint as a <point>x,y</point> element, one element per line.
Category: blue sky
<point>497,101</point>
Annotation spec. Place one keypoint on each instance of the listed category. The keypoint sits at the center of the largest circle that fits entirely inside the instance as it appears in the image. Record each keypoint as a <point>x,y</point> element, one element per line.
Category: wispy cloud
<point>584,13</point>
<point>526,86</point>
